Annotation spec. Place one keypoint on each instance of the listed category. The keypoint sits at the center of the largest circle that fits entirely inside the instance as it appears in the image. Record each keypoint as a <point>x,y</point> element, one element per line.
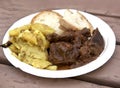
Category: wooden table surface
<point>106,76</point>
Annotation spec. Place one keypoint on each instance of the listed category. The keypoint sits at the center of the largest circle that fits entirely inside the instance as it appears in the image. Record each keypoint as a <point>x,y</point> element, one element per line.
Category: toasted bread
<point>74,21</point>
<point>50,18</point>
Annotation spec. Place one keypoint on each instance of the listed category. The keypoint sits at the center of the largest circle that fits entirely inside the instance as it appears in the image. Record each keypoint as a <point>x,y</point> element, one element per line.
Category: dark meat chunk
<point>81,36</point>
<point>70,36</point>
<point>67,37</point>
<point>96,43</point>
<point>97,39</point>
<point>93,47</point>
<point>85,32</point>
<point>74,48</point>
<point>90,50</point>
<point>63,53</point>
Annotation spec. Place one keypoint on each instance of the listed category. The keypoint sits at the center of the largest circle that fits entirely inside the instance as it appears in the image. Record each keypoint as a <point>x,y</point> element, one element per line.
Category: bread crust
<point>44,12</point>
<point>59,21</point>
<point>50,18</point>
<point>67,25</point>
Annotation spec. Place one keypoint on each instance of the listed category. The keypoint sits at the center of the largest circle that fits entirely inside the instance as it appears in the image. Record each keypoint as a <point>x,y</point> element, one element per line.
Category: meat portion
<point>70,36</point>
<point>93,47</point>
<point>63,53</point>
<point>74,48</point>
<point>90,50</point>
<point>97,39</point>
<point>67,37</point>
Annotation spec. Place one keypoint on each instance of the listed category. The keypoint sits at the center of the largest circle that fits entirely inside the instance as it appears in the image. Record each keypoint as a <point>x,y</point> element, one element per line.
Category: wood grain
<point>14,78</point>
<point>97,6</point>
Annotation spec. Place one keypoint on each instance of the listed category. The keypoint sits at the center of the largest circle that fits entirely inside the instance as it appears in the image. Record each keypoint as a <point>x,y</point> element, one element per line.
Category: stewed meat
<point>75,48</point>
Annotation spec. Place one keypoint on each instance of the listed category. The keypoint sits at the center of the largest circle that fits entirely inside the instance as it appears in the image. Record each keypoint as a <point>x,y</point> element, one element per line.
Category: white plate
<point>104,29</point>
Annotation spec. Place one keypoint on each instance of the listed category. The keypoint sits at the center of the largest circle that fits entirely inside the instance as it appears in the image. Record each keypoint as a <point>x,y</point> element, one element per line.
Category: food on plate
<point>74,48</point>
<point>44,29</point>
<point>55,42</point>
<point>29,45</point>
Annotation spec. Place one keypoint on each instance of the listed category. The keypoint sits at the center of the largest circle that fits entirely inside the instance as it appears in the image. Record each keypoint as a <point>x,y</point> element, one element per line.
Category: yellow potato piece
<point>53,67</point>
<point>43,28</point>
<point>40,63</point>
<point>29,44</point>
<point>17,31</point>
<point>14,49</point>
<point>42,42</point>
<point>34,52</point>
<point>29,37</point>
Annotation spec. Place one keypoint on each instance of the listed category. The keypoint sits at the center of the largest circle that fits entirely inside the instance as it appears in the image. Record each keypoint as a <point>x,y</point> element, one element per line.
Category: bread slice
<point>74,21</point>
<point>69,21</point>
<point>50,18</point>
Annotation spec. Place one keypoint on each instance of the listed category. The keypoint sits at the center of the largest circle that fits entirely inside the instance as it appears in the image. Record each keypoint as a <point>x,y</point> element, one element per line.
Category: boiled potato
<point>29,44</point>
<point>17,31</point>
<point>29,37</point>
<point>43,28</point>
<point>42,42</point>
<point>40,63</point>
<point>53,67</point>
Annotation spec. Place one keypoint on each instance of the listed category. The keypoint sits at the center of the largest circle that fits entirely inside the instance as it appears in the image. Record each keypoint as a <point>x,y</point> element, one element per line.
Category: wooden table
<point>106,76</point>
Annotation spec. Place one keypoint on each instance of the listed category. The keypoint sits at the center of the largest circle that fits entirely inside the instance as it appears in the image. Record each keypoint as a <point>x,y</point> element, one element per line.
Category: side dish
<point>29,45</point>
